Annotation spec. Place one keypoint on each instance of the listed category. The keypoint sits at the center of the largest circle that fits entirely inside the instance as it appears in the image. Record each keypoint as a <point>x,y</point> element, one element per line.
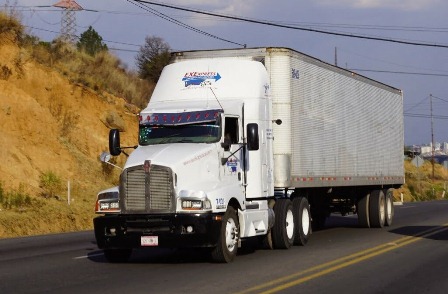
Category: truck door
<point>232,143</point>
<point>259,155</point>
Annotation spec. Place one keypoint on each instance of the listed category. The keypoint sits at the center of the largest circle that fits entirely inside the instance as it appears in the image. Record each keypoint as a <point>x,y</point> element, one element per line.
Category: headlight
<point>188,204</point>
<point>191,204</point>
<point>194,200</point>
<point>107,202</point>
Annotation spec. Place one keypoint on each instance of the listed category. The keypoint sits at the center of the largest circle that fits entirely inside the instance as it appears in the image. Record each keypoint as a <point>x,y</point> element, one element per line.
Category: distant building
<point>426,149</point>
<point>445,147</point>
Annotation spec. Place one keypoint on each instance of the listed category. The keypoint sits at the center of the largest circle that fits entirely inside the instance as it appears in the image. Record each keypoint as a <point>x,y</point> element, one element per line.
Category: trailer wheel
<point>363,211</point>
<point>389,207</point>
<point>227,246</point>
<point>302,219</point>
<point>117,255</point>
<point>283,231</point>
<point>377,209</point>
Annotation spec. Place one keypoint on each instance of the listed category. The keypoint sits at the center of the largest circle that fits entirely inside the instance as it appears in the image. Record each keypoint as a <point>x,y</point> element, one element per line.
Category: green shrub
<point>10,27</point>
<point>14,198</point>
<point>50,184</point>
<point>5,72</point>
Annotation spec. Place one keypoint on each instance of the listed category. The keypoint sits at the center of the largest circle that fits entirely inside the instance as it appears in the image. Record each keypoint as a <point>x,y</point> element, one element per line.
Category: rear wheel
<point>229,235</point>
<point>363,211</point>
<point>283,231</point>
<point>389,207</point>
<point>117,255</point>
<point>302,219</point>
<point>377,209</point>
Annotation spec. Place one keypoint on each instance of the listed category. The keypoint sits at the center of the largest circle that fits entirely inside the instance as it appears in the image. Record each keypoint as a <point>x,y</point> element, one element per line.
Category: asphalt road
<point>411,256</point>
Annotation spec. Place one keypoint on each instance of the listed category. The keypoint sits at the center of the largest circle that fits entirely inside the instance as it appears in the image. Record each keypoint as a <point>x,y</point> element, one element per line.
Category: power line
<point>293,27</point>
<point>179,23</point>
<point>401,72</point>
<point>313,24</point>
<point>419,115</point>
<point>444,100</point>
<point>418,104</point>
<point>76,36</point>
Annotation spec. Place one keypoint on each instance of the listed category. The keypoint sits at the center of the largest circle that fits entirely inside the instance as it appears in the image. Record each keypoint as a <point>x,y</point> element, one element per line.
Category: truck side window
<point>231,130</point>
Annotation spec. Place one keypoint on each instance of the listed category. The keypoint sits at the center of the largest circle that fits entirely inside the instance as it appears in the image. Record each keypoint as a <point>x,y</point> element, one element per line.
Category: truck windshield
<point>203,132</point>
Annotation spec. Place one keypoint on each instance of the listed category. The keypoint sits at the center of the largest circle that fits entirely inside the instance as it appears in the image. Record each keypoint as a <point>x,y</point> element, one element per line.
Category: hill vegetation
<point>57,103</point>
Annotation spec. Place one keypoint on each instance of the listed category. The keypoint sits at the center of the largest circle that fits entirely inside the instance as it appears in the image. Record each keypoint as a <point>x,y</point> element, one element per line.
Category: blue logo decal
<point>200,78</point>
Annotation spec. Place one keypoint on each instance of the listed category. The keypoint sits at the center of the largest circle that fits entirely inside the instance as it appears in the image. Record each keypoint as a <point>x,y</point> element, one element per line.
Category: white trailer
<point>244,143</point>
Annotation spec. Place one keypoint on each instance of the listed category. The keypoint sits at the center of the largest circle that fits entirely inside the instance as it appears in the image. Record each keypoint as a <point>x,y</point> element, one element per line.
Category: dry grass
<point>52,122</point>
<point>420,185</point>
<point>103,72</point>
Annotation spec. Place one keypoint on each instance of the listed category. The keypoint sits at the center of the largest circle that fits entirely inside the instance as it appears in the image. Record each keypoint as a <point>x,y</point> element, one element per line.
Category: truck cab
<point>204,158</point>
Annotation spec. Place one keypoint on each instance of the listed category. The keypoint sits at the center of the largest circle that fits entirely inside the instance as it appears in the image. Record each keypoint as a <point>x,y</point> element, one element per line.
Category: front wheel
<point>229,236</point>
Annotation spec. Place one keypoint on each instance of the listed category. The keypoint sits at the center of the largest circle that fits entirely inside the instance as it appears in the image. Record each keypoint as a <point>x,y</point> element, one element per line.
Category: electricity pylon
<point>68,20</point>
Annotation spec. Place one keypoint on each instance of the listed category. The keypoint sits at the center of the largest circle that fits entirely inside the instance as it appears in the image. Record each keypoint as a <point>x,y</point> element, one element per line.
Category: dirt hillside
<point>49,124</point>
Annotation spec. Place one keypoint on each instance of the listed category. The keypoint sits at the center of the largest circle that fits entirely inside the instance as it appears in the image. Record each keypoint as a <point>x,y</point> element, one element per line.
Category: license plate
<point>149,241</point>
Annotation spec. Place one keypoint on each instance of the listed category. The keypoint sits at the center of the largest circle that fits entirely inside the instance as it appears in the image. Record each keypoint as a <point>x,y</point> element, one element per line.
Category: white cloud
<point>227,7</point>
<point>391,4</point>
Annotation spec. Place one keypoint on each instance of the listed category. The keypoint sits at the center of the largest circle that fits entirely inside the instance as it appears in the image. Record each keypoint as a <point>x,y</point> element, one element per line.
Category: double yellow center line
<point>295,279</point>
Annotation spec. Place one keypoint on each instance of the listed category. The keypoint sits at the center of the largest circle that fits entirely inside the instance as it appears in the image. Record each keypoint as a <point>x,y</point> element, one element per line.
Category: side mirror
<point>252,137</point>
<point>105,157</point>
<point>114,142</point>
<point>225,145</point>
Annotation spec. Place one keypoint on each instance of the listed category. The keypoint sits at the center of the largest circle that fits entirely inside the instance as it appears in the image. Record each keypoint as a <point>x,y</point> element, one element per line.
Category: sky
<point>420,69</point>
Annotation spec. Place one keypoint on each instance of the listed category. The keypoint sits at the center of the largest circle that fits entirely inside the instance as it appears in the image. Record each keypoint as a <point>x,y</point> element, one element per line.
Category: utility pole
<point>432,137</point>
<point>335,56</point>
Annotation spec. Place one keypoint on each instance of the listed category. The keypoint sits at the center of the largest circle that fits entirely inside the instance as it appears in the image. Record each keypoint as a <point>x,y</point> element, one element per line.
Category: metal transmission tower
<point>68,20</point>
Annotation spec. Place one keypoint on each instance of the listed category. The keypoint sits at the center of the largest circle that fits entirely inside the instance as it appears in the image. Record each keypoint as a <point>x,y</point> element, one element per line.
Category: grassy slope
<point>52,124</point>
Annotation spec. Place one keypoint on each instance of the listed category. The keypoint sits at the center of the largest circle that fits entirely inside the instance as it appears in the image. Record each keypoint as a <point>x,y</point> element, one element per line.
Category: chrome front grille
<point>142,192</point>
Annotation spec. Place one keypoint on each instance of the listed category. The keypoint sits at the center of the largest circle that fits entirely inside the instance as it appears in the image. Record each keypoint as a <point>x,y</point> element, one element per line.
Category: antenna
<point>68,20</point>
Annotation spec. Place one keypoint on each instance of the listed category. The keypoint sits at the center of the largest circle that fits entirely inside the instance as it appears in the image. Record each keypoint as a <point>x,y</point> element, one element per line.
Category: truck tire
<point>117,255</point>
<point>389,207</point>
<point>302,219</point>
<point>377,209</point>
<point>283,232</point>
<point>227,246</point>
<point>363,211</point>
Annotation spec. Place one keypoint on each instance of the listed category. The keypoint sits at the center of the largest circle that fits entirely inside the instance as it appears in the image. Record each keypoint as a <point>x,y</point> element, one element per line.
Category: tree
<point>91,42</point>
<point>152,58</point>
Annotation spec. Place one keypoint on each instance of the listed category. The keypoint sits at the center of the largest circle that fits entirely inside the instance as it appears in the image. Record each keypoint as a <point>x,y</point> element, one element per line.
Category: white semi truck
<point>253,143</point>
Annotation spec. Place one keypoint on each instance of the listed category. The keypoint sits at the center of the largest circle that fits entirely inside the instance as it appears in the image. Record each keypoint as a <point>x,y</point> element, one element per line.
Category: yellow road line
<point>326,268</point>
